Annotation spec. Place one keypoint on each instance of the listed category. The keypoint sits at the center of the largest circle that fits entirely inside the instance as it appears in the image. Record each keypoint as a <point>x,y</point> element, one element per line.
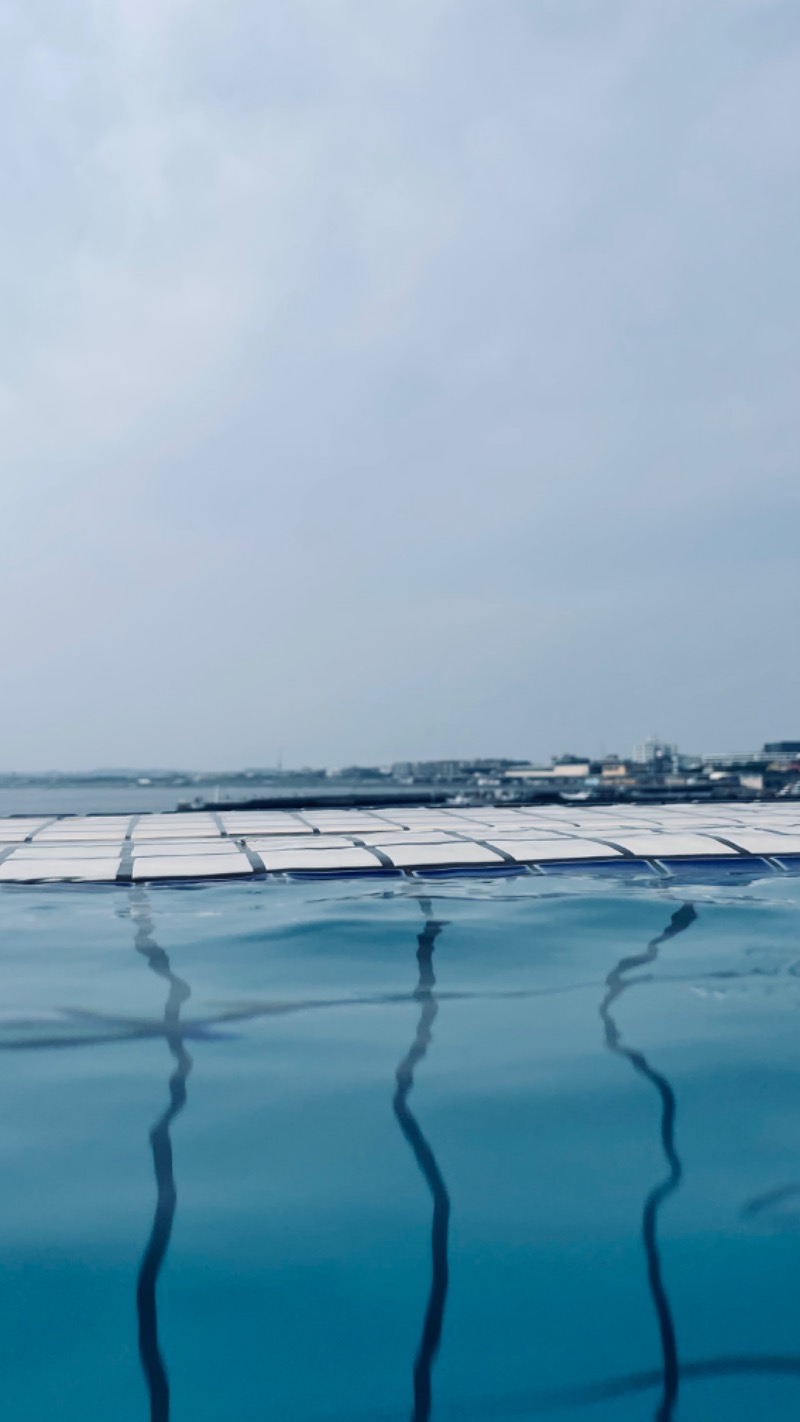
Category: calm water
<point>127,799</point>
<point>389,1150</point>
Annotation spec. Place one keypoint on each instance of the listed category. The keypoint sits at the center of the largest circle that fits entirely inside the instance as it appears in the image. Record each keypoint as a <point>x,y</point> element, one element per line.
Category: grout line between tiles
<point>376,853</point>
<point>495,848</point>
<point>125,868</point>
<point>29,838</point>
<point>254,858</point>
<point>722,840</point>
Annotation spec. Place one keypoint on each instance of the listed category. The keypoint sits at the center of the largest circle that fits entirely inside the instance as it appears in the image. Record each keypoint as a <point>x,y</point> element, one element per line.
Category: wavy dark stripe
<point>616,985</point>
<point>426,1160</point>
<point>178,992</point>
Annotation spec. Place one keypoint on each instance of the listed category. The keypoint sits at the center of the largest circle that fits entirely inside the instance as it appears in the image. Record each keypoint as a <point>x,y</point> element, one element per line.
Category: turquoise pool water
<point>460,1149</point>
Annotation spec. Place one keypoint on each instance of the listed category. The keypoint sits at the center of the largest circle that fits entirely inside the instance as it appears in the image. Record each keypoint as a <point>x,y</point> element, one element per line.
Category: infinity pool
<point>379,1149</point>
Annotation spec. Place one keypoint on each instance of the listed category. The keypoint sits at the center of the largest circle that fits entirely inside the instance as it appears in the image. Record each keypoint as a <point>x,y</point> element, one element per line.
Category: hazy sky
<point>398,379</point>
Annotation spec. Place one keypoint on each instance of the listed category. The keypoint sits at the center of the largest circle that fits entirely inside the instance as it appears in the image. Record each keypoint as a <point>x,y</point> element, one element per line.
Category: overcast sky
<point>395,380</point>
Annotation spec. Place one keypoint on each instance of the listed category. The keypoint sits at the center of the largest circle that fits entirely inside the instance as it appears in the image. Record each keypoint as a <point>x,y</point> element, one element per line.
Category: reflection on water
<point>618,983</point>
<point>771,1200</point>
<point>570,991</point>
<point>672,1370</point>
<point>178,993</point>
<point>426,1160</point>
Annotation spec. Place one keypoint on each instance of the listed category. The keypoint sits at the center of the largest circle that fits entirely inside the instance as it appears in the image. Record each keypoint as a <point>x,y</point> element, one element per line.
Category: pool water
<point>388,1149</point>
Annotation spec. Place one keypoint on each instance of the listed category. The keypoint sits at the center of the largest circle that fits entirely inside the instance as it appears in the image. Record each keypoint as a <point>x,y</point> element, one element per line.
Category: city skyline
<point>651,749</point>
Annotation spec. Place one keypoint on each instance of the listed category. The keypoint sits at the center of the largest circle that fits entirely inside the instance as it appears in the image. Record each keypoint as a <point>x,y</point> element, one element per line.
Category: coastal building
<point>652,751</point>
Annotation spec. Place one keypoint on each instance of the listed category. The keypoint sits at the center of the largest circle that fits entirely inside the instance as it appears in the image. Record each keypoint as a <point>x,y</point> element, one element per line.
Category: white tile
<point>387,837</point>
<point>296,843</point>
<point>461,819</point>
<point>425,856</point>
<point>190,823</point>
<point>263,816</point>
<point>568,825</point>
<point>67,840</point>
<point>265,824</point>
<point>68,851</point>
<point>695,824</point>
<point>401,821</point>
<point>525,822</point>
<point>535,851</point>
<point>765,841</point>
<point>178,848</point>
<point>184,866</point>
<point>100,822</point>
<point>317,860</point>
<point>666,846</point>
<point>43,867</point>
<point>558,836</point>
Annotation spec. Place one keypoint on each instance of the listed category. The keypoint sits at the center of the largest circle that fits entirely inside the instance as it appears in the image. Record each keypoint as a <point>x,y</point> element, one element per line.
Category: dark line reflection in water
<point>761,1204</point>
<point>672,1370</point>
<point>616,985</point>
<point>426,1160</point>
<point>161,1145</point>
<point>623,977</point>
<point>75,1021</point>
<point>85,1027</point>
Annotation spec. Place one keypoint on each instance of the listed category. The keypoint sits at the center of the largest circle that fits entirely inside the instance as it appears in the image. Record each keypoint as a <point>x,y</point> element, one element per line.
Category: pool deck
<point>200,845</point>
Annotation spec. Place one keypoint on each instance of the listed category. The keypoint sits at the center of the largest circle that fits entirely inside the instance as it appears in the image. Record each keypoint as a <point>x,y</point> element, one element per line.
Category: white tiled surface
<point>199,845</point>
<point>16,830</point>
<point>86,870</point>
<point>415,836</point>
<point>297,844</point>
<point>542,851</point>
<point>765,841</point>
<point>656,845</point>
<point>196,866</point>
<point>175,848</point>
<point>317,861</point>
<point>68,851</point>
<point>270,822</point>
<point>424,856</point>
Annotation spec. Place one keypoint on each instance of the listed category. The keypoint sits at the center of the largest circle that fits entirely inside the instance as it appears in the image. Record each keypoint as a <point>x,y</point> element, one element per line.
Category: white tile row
<point>198,845</point>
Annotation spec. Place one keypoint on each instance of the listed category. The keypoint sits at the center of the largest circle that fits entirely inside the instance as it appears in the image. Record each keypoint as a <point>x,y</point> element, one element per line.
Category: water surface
<point>389,1149</point>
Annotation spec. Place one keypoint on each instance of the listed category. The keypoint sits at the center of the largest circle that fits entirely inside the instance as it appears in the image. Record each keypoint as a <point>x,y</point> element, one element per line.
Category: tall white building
<point>652,749</point>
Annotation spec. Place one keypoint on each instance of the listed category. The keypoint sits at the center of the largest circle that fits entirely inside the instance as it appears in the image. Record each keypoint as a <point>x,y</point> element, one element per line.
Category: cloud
<point>398,338</point>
